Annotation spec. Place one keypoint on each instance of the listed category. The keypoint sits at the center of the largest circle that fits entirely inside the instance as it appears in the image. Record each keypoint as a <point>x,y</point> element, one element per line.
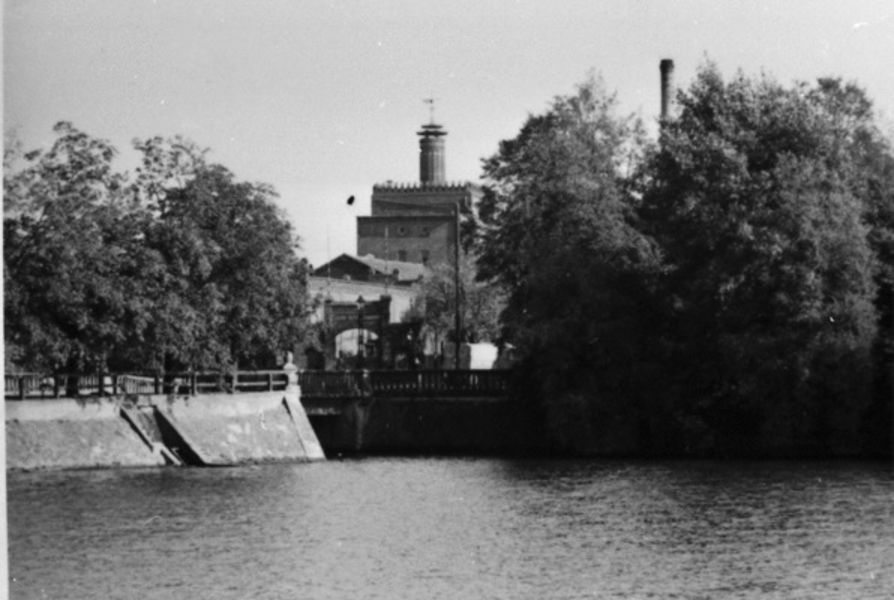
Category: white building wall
<point>341,290</point>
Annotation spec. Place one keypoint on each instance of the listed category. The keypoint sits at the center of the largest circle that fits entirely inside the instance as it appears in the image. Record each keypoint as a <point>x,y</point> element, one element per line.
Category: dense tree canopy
<point>721,291</point>
<point>73,255</point>
<point>759,207</point>
<point>560,233</point>
<point>179,266</point>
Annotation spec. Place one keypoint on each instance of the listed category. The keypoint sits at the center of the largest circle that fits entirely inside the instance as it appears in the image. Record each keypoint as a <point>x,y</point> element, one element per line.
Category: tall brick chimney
<point>431,154</point>
<point>667,87</point>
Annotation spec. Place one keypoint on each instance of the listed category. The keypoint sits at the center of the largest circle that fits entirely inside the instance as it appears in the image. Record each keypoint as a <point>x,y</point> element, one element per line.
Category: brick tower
<point>416,222</point>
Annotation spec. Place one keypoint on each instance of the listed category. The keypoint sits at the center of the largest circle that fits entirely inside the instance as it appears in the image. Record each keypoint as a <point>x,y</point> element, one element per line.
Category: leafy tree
<point>73,256</point>
<point>770,285</point>
<point>481,302</point>
<point>865,157</point>
<point>180,266</point>
<point>560,233</point>
<point>244,262</point>
<point>167,166</point>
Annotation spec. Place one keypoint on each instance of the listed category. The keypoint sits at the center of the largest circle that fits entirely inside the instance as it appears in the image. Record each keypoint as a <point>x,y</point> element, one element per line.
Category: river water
<point>420,528</point>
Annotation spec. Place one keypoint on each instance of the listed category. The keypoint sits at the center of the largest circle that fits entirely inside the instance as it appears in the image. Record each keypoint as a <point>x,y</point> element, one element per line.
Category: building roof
<point>415,186</point>
<point>406,272</point>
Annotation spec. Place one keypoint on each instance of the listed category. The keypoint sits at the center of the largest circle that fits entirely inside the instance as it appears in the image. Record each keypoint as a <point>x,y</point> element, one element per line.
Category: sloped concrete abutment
<point>208,430</point>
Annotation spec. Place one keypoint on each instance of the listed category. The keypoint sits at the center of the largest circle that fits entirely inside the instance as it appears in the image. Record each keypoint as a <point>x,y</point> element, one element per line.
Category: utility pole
<point>361,304</point>
<point>458,312</point>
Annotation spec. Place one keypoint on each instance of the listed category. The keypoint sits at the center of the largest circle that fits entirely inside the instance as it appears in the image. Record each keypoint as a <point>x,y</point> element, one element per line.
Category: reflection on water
<point>456,528</point>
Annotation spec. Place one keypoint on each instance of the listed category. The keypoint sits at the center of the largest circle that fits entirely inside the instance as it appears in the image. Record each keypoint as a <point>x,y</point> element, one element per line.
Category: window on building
<point>425,257</point>
<point>402,255</point>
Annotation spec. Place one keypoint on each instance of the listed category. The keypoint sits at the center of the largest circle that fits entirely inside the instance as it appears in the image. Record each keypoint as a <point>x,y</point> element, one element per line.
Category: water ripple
<point>456,528</point>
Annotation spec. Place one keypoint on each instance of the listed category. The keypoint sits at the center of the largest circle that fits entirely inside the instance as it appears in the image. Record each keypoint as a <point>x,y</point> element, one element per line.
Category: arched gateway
<point>369,318</point>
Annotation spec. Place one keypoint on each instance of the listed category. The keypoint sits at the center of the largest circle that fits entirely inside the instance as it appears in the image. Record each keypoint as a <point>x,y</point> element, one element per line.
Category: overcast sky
<point>322,99</point>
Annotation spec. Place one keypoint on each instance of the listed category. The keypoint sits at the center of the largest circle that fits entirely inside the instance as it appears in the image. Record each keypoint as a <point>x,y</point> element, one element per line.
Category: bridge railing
<point>439,383</point>
<point>328,384</point>
<point>331,384</point>
<point>37,385</point>
<point>410,383</point>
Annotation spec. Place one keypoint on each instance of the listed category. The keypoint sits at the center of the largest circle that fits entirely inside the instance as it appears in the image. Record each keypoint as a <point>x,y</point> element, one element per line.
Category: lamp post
<point>360,305</point>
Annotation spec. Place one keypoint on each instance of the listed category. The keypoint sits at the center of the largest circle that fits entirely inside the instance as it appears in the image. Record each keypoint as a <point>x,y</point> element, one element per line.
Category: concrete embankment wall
<point>215,430</point>
<point>69,434</point>
<point>483,425</point>
<point>226,430</point>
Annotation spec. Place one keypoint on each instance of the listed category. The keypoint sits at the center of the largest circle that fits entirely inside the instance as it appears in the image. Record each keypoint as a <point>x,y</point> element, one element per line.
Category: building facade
<point>412,227</point>
<point>418,222</point>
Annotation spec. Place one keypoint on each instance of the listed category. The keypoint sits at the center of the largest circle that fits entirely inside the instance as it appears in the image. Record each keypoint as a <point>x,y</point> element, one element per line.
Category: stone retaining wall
<point>237,429</point>
<point>219,429</point>
<point>68,434</point>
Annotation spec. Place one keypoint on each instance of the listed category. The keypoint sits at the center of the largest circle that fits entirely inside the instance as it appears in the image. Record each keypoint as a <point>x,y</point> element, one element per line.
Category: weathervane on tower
<point>431,109</point>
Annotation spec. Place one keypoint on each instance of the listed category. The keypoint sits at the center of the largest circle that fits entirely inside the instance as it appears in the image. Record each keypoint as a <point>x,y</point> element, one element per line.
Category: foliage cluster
<point>727,289</point>
<point>177,266</point>
<point>481,303</point>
